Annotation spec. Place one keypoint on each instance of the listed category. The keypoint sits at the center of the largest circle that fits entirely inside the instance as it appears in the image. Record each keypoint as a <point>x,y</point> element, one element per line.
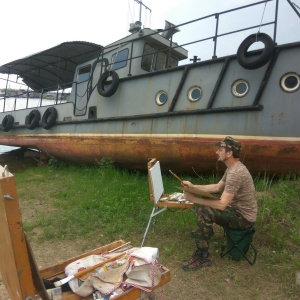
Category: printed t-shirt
<point>238,181</point>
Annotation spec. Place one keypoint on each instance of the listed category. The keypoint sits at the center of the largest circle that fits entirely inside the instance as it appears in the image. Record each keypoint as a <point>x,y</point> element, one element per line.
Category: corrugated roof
<point>55,66</point>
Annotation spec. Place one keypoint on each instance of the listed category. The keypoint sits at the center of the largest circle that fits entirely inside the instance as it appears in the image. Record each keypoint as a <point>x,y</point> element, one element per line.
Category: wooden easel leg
<point>36,277</point>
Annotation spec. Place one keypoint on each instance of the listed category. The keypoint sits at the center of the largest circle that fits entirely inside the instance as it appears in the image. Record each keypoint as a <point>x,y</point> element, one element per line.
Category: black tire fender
<point>33,119</point>
<point>256,61</point>
<point>114,84</point>
<point>7,123</point>
<point>49,118</point>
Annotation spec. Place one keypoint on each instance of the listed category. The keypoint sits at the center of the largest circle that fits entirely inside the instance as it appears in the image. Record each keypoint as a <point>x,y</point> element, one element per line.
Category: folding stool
<point>239,242</point>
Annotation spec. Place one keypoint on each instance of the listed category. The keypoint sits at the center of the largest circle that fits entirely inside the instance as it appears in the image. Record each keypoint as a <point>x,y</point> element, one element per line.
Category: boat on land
<point>134,99</point>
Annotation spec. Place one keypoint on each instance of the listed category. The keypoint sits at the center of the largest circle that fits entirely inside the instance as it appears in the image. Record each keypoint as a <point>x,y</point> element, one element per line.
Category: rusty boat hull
<point>187,154</point>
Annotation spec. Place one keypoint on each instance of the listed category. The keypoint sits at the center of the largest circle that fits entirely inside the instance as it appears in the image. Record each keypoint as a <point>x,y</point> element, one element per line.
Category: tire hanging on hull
<point>32,120</point>
<point>7,123</point>
<point>49,118</point>
<point>114,84</point>
<point>250,62</point>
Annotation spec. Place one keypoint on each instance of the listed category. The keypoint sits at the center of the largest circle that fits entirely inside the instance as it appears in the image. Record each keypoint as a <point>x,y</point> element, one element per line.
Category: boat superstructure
<point>137,98</point>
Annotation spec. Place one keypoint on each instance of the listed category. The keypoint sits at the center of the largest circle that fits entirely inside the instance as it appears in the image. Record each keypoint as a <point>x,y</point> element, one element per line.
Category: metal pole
<point>216,36</point>
<point>141,3</point>
<point>276,19</point>
<point>293,5</point>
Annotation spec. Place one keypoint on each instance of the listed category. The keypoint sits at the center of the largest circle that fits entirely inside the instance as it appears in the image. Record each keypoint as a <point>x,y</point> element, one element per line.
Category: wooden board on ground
<point>14,259</point>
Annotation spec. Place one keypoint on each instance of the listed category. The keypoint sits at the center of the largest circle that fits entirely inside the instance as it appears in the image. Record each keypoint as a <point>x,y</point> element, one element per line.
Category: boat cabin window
<point>161,61</point>
<point>83,74</point>
<point>173,62</point>
<point>154,59</point>
<point>148,56</point>
<point>119,59</point>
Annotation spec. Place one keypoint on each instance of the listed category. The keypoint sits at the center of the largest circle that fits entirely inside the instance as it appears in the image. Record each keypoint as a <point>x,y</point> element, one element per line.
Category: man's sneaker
<point>197,261</point>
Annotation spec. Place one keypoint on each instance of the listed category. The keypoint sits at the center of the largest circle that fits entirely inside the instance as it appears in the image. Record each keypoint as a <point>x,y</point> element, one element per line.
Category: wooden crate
<point>131,294</point>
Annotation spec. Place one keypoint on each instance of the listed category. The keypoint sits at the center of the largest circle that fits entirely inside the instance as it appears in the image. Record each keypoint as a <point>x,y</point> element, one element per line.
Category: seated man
<point>236,209</point>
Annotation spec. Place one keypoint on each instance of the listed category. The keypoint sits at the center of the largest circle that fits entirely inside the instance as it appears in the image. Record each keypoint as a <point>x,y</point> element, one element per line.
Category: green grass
<point>104,203</point>
<point>115,202</point>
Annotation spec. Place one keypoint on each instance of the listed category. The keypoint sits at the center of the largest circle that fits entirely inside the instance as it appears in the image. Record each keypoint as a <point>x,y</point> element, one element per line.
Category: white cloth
<point>137,268</point>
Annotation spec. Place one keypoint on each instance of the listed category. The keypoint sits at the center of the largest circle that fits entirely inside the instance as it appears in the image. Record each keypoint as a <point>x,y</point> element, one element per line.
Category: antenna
<point>140,2</point>
<point>136,27</point>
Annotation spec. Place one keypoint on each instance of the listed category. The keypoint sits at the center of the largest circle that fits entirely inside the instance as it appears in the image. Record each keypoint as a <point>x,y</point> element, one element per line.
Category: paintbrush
<point>178,178</point>
<point>120,247</point>
<point>87,270</point>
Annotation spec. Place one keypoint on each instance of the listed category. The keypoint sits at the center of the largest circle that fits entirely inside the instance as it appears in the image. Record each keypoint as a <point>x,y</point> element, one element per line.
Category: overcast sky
<point>30,26</point>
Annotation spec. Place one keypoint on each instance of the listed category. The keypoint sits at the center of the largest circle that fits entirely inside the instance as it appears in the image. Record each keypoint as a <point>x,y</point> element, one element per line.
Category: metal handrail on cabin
<point>214,38</point>
<point>28,92</point>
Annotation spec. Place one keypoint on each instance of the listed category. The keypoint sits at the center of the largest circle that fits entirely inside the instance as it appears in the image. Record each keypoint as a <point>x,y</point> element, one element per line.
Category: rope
<point>130,11</point>
<point>162,293</point>
<point>81,96</point>
<point>262,17</point>
<point>296,5</point>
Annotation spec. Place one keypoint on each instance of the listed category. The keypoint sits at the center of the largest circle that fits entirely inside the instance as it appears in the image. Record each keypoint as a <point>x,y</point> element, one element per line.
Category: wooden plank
<point>150,165</point>
<point>36,277</point>
<point>14,262</point>
<point>175,204</point>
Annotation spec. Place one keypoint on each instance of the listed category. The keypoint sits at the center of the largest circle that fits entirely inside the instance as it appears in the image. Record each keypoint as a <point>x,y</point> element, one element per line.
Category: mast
<point>140,2</point>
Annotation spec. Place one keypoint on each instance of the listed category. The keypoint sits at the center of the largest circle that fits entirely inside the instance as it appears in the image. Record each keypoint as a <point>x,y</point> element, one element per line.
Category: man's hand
<point>187,183</point>
<point>189,197</point>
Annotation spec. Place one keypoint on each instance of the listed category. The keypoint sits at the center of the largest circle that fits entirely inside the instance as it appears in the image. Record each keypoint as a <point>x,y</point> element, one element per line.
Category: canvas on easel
<point>156,182</point>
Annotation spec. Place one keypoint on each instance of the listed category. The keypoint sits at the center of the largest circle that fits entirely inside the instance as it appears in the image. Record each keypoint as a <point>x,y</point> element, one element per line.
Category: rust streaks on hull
<point>179,153</point>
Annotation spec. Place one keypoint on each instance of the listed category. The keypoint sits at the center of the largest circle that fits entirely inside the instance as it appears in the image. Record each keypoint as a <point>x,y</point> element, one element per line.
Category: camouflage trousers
<point>207,216</point>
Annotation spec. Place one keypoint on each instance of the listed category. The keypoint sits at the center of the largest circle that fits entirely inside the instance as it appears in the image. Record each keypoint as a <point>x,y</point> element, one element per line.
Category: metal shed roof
<point>52,67</point>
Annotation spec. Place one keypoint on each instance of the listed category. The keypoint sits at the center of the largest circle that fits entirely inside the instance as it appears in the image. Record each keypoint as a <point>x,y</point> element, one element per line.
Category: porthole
<point>194,93</point>
<point>161,98</point>
<point>290,82</point>
<point>240,88</point>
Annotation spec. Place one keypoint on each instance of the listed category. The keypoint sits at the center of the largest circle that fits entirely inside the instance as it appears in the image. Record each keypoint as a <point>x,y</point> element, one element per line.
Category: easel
<point>19,270</point>
<point>156,189</point>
